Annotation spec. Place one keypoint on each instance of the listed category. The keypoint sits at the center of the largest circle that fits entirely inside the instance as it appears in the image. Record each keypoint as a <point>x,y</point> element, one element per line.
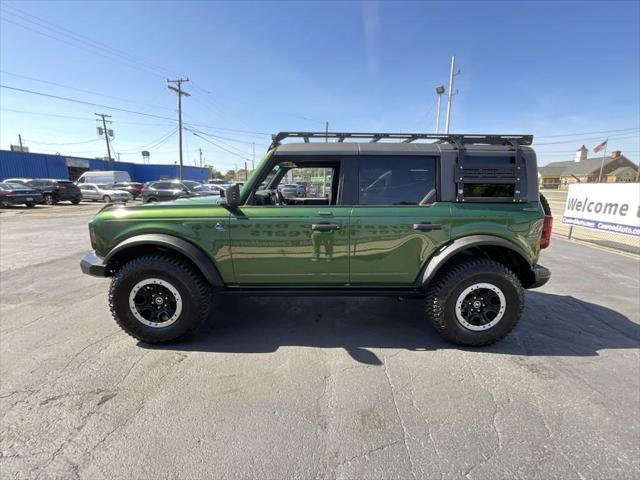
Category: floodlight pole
<point>453,66</point>
<point>439,91</point>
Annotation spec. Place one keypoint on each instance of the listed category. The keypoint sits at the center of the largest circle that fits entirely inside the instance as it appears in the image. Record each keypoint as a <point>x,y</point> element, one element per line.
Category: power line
<point>83,42</point>
<point>585,133</point>
<point>153,144</point>
<point>84,91</point>
<point>59,97</point>
<point>65,143</point>
<point>133,112</point>
<point>219,146</point>
<point>614,137</point>
<point>47,114</point>
<point>221,140</point>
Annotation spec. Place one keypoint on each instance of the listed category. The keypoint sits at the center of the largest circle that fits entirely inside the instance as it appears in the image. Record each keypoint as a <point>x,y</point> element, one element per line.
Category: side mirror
<point>232,195</point>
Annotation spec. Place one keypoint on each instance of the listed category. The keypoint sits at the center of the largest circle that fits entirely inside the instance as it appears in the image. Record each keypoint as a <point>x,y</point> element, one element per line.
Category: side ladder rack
<point>374,137</point>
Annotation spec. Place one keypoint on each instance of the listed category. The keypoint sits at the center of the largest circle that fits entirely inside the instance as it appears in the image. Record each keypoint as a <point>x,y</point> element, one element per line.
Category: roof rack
<point>406,137</point>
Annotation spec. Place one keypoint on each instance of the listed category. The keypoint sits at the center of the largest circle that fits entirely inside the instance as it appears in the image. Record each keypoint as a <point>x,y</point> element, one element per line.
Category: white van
<point>104,177</point>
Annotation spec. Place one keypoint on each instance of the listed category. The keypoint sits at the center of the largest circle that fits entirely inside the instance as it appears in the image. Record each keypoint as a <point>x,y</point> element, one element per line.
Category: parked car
<point>135,189</point>
<point>104,177</point>
<point>291,190</point>
<point>95,192</point>
<point>53,191</point>
<point>402,224</point>
<point>208,190</point>
<point>164,190</point>
<point>19,194</point>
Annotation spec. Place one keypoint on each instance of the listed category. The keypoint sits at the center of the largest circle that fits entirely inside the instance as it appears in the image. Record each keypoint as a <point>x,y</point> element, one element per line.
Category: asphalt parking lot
<point>308,388</point>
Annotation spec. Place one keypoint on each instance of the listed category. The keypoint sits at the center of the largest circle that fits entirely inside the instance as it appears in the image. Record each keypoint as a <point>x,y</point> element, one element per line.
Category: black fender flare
<point>200,259</point>
<point>437,261</point>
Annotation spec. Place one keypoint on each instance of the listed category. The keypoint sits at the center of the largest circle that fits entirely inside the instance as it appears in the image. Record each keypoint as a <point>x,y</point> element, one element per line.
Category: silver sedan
<point>94,191</point>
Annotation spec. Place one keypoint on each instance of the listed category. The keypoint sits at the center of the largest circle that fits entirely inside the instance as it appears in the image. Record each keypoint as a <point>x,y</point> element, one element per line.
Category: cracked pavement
<point>312,388</point>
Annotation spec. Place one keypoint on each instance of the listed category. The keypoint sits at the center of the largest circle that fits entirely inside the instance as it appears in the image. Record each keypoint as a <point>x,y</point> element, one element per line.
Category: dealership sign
<point>613,207</point>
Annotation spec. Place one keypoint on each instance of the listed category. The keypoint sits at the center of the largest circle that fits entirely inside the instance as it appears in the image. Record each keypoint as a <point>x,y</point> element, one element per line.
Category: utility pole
<point>200,150</point>
<point>253,159</point>
<point>20,142</point>
<point>451,75</point>
<point>326,132</point>
<point>245,171</point>
<point>180,93</point>
<point>106,136</point>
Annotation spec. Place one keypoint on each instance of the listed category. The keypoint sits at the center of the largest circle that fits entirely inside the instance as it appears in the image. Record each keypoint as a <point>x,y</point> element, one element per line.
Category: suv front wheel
<point>159,298</point>
<point>475,302</point>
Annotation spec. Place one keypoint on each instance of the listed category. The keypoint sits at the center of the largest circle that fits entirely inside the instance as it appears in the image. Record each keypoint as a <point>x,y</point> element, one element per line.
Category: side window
<point>395,180</point>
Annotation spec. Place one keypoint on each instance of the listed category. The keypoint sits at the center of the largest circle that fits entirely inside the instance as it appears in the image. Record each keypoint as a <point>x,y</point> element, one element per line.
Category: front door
<point>290,245</point>
<point>398,223</point>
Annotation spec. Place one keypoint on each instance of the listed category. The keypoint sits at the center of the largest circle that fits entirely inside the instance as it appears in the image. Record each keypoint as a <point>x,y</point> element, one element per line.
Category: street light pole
<point>453,66</point>
<point>439,92</point>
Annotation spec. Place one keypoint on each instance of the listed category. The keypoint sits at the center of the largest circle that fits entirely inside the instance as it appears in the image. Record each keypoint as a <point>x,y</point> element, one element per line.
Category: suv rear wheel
<point>159,298</point>
<point>475,302</point>
<point>48,199</point>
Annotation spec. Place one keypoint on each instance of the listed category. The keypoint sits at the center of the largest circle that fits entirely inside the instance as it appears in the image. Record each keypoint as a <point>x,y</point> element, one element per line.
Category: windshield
<point>12,185</point>
<point>191,184</point>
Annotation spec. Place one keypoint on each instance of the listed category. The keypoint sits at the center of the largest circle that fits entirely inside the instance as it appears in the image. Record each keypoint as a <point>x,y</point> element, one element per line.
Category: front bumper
<point>91,264</point>
<point>541,276</point>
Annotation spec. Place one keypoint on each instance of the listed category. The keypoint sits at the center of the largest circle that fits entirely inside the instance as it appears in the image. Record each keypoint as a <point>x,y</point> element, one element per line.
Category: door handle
<point>325,227</point>
<point>427,226</point>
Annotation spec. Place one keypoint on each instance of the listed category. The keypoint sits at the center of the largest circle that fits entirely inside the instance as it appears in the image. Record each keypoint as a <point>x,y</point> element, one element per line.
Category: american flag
<point>601,147</point>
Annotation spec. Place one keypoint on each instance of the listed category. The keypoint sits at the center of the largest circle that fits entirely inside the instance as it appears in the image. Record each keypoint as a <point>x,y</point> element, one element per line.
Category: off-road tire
<point>49,199</point>
<point>452,280</point>
<point>545,205</point>
<point>194,290</point>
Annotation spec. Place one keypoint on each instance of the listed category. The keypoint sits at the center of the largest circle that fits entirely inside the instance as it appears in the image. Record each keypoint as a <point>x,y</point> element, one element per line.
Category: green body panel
<point>276,246</point>
<point>386,250</point>
<point>519,223</point>
<point>191,219</point>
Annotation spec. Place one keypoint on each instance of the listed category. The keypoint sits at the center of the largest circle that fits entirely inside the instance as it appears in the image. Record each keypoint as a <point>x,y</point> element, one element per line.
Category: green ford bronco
<point>454,219</point>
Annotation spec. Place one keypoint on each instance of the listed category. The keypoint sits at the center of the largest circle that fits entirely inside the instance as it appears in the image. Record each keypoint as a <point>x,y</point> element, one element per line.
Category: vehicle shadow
<point>552,325</point>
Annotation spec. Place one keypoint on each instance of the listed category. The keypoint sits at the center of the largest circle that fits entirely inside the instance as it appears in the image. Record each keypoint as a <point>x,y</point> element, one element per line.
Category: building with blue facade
<point>39,165</point>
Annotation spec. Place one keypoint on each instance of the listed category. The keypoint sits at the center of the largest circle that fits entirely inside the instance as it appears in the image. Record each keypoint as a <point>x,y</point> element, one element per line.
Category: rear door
<point>88,192</point>
<point>392,235</point>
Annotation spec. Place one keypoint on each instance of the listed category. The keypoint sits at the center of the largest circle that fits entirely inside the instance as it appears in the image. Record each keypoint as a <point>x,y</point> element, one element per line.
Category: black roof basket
<point>374,137</point>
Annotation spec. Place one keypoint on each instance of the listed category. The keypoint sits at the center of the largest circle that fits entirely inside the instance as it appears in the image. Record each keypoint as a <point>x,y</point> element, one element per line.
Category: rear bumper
<point>92,265</point>
<point>541,276</point>
<point>68,196</point>
<point>22,199</point>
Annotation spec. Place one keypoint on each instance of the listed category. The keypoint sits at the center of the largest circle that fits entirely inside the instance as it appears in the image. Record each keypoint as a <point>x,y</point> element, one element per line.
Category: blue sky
<point>554,69</point>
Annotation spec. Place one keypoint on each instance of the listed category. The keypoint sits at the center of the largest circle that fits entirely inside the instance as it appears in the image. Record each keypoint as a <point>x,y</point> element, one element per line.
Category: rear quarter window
<point>395,180</point>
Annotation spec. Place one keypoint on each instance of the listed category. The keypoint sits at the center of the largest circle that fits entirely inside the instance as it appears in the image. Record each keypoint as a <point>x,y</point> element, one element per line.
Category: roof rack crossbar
<point>374,137</point>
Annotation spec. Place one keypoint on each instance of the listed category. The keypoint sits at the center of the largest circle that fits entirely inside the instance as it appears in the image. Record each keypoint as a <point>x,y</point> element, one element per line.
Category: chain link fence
<point>557,199</point>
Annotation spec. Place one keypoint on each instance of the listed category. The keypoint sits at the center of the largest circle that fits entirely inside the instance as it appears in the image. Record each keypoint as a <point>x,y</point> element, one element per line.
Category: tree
<point>230,175</point>
<point>213,173</point>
